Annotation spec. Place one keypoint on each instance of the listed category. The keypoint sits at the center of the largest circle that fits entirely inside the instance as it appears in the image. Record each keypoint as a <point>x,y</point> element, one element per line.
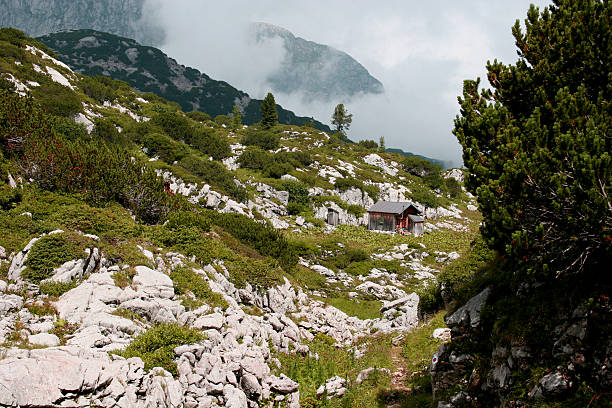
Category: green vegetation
<point>341,119</point>
<point>52,251</point>
<point>187,282</point>
<point>269,116</point>
<point>541,167</point>
<point>311,372</point>
<point>56,289</point>
<point>156,346</point>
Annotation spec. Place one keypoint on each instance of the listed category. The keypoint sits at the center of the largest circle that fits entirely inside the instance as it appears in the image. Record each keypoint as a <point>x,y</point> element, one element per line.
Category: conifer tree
<point>269,116</point>
<point>381,145</point>
<point>538,143</point>
<point>341,119</point>
<point>236,118</point>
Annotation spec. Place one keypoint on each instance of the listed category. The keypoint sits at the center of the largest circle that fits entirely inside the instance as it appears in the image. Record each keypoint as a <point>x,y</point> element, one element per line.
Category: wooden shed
<point>333,217</point>
<point>396,216</point>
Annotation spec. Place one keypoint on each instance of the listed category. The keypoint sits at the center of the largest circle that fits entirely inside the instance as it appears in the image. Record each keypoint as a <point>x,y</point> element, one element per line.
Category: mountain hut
<point>396,216</point>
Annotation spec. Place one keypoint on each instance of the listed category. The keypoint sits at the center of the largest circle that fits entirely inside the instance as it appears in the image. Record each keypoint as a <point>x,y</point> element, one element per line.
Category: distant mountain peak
<point>318,71</point>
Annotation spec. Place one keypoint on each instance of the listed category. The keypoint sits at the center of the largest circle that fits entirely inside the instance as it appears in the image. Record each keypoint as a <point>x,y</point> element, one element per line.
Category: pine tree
<point>269,117</point>
<point>236,118</point>
<point>341,119</point>
<point>381,145</point>
<point>537,144</point>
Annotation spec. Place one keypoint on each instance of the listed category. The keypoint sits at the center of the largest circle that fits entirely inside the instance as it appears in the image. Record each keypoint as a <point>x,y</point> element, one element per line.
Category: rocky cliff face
<point>562,363</point>
<point>39,17</point>
<point>318,71</point>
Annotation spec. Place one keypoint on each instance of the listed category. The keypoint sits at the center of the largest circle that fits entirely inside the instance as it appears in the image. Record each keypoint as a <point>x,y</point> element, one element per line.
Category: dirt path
<point>398,377</point>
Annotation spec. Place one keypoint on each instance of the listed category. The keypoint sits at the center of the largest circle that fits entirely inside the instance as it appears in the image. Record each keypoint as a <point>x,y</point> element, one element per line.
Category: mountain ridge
<point>150,70</point>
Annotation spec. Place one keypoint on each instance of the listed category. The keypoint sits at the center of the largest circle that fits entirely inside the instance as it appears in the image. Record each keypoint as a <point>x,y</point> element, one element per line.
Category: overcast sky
<point>420,50</point>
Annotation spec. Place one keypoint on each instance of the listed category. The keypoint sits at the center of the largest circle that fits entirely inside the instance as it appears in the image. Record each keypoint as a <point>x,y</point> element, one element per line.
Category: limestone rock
<point>44,339</point>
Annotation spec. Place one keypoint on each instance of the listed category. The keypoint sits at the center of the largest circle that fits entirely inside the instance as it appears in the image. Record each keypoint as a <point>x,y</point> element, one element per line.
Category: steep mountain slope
<point>317,71</point>
<point>150,70</point>
<point>152,259</point>
<point>39,17</point>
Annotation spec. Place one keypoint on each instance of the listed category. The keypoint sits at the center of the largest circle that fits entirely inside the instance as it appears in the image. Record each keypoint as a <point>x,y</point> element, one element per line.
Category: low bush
<point>355,210</point>
<point>187,282</point>
<point>296,159</point>
<point>298,192</point>
<point>96,90</point>
<point>224,120</point>
<point>426,197</point>
<point>198,116</point>
<point>210,142</point>
<point>174,125</point>
<point>184,219</point>
<point>215,174</point>
<point>56,289</point>
<point>9,197</point>
<point>58,100</point>
<point>164,146</point>
<point>254,158</point>
<point>52,251</point>
<point>262,237</point>
<point>69,129</point>
<point>263,139</point>
<point>156,346</point>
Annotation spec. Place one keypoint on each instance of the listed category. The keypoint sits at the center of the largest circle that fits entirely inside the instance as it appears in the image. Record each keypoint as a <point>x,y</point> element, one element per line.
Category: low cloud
<point>421,52</point>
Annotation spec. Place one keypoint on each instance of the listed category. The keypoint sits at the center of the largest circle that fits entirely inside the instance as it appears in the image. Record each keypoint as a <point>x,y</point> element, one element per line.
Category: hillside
<point>148,69</point>
<point>153,258</point>
<point>317,71</point>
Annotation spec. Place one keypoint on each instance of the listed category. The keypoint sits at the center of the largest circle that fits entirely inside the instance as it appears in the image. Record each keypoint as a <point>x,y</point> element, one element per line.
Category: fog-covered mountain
<point>318,71</point>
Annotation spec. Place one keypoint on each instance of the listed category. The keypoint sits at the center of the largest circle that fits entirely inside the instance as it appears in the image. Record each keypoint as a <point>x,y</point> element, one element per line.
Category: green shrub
<point>186,281</point>
<point>198,116</point>
<point>168,149</point>
<point>368,144</point>
<point>295,159</point>
<point>419,167</point>
<point>20,119</point>
<point>453,187</point>
<point>105,129</point>
<point>355,210</point>
<point>215,174</point>
<point>224,120</point>
<point>211,142</point>
<point>296,208</point>
<point>51,251</point>
<point>430,298</point>
<point>276,170</point>
<point>183,219</point>
<point>69,129</point>
<point>298,192</point>
<point>56,289</point>
<point>260,273</point>
<point>96,90</point>
<point>426,197</point>
<point>254,158</point>
<point>102,173</point>
<point>156,346</point>
<point>174,125</point>
<point>58,100</point>
<point>263,139</point>
<point>262,237</point>
<point>9,197</point>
